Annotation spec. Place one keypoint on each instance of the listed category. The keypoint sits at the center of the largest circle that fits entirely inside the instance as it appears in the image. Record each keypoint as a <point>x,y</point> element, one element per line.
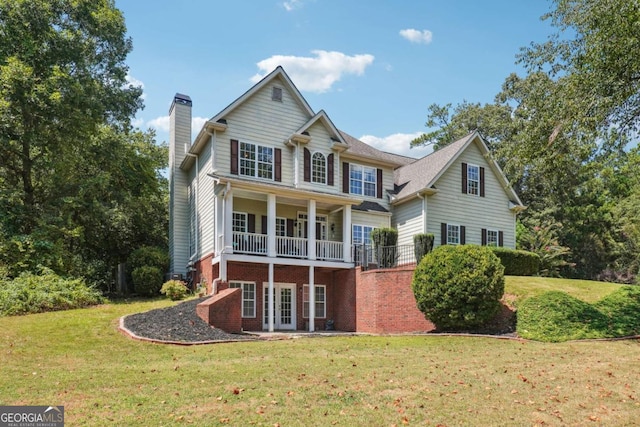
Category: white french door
<point>284,306</point>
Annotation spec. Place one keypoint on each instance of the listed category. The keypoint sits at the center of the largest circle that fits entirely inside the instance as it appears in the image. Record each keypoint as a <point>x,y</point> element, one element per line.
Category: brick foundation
<point>386,304</point>
<point>223,310</point>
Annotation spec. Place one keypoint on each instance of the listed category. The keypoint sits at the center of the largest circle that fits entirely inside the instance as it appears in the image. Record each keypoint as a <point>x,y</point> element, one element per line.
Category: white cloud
<point>159,123</point>
<point>398,143</point>
<point>417,36</point>
<point>197,123</point>
<point>132,81</point>
<point>316,74</point>
<point>292,4</point>
<point>136,123</point>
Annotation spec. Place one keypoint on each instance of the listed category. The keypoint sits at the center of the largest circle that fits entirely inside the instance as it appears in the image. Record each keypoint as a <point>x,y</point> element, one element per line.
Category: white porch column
<point>311,225</point>
<point>270,308</point>
<point>228,222</point>
<point>346,232</point>
<point>218,244</point>
<point>312,299</point>
<point>271,225</point>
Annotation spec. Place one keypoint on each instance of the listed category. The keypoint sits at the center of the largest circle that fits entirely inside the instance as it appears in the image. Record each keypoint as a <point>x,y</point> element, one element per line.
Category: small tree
<point>385,241</point>
<point>459,287</point>
<point>422,245</point>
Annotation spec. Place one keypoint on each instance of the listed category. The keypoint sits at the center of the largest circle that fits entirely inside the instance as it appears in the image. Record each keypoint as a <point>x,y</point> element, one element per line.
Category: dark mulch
<point>177,323</point>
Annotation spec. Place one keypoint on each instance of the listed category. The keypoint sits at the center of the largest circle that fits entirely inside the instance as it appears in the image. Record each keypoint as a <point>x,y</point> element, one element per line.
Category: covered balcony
<point>254,224</point>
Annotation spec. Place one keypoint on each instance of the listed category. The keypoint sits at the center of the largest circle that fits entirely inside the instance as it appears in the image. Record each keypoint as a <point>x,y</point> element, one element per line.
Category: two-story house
<point>272,198</point>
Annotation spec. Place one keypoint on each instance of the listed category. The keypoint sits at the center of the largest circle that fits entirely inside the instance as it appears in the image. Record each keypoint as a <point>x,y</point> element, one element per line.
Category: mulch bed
<point>178,323</point>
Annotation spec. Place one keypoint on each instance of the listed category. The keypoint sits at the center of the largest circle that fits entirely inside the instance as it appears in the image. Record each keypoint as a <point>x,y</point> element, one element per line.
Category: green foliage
<point>385,242</point>
<point>555,316</point>
<point>45,291</point>
<point>517,262</point>
<point>79,188</point>
<point>149,256</point>
<point>543,240</point>
<point>147,280</point>
<point>174,289</point>
<point>422,245</point>
<point>459,287</point>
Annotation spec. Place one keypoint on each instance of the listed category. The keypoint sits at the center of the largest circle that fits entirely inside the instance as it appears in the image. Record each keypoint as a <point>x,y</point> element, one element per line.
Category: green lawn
<point>526,287</point>
<point>78,359</point>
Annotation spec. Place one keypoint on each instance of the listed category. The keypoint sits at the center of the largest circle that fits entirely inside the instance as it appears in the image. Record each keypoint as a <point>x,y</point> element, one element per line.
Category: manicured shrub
<point>422,245</point>
<point>385,241</point>
<point>459,287</point>
<point>45,291</point>
<point>147,280</point>
<point>174,289</point>
<point>517,262</point>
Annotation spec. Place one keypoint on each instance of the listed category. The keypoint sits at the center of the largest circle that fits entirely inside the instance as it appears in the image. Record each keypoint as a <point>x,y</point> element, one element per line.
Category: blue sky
<point>374,66</point>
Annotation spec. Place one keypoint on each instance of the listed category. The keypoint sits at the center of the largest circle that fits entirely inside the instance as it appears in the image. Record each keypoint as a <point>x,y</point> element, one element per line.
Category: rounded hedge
<point>459,287</point>
<point>174,289</point>
<point>518,262</point>
<point>147,280</point>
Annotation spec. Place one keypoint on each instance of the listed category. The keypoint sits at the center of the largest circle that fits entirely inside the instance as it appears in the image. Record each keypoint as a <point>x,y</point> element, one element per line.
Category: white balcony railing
<point>295,247</point>
<point>249,243</point>
<point>290,247</point>
<point>329,251</point>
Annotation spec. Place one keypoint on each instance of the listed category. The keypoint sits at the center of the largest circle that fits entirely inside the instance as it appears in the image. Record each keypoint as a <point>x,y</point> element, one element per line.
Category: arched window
<point>318,168</point>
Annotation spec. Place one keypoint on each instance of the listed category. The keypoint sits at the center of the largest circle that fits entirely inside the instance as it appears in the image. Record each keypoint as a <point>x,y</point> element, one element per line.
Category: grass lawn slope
<point>78,359</point>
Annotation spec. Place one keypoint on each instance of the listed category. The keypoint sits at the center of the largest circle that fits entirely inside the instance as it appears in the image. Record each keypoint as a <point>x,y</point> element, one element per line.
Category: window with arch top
<point>318,168</point>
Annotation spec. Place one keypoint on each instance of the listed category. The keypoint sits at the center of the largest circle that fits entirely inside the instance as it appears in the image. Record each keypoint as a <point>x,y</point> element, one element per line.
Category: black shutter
<point>289,227</point>
<point>277,154</point>
<point>379,184</point>
<point>464,178</point>
<point>484,237</point>
<point>481,182</point>
<point>264,224</point>
<point>307,165</point>
<point>345,177</point>
<point>330,169</point>
<point>463,239</point>
<point>443,233</point>
<point>500,238</point>
<point>234,156</point>
<point>251,223</point>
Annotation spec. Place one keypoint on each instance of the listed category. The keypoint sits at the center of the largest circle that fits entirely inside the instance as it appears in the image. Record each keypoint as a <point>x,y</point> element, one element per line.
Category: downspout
<point>195,201</point>
<point>424,211</point>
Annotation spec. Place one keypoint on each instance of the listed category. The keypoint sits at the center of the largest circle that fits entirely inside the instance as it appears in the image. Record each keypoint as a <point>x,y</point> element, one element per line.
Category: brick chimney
<point>179,143</point>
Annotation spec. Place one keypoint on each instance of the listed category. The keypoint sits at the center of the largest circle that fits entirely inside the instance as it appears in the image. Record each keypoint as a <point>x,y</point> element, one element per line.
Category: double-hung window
<point>453,234</point>
<point>248,297</point>
<point>473,180</point>
<point>492,238</point>
<point>256,160</point>
<point>362,180</point>
<point>321,300</point>
<point>318,168</point>
<point>361,237</point>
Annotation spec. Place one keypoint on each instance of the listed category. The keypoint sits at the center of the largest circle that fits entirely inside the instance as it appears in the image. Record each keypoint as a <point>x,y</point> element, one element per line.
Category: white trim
<point>487,230</point>
<point>363,181</point>
<point>325,171</point>
<point>447,235</point>
<point>471,165</point>
<point>242,283</point>
<point>276,321</point>
<point>306,285</point>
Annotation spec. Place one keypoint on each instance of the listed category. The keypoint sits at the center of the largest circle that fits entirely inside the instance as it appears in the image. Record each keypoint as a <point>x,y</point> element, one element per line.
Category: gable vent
<point>276,94</point>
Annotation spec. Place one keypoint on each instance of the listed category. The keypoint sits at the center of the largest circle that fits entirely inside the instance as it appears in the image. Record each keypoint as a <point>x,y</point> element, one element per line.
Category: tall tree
<point>594,53</point>
<point>62,74</point>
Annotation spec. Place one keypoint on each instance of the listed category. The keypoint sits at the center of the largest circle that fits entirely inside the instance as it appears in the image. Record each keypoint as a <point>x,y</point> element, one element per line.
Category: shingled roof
<point>422,173</point>
<point>359,148</point>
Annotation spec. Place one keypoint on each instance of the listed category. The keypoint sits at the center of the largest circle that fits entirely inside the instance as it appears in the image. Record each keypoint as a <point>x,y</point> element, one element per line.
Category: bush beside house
<point>146,266</point>
<point>459,287</point>
<point>517,262</point>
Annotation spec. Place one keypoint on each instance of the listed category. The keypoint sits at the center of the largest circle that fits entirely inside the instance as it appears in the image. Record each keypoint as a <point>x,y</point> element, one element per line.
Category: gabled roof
<point>278,72</point>
<point>421,175</point>
<point>322,117</point>
<point>359,149</point>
